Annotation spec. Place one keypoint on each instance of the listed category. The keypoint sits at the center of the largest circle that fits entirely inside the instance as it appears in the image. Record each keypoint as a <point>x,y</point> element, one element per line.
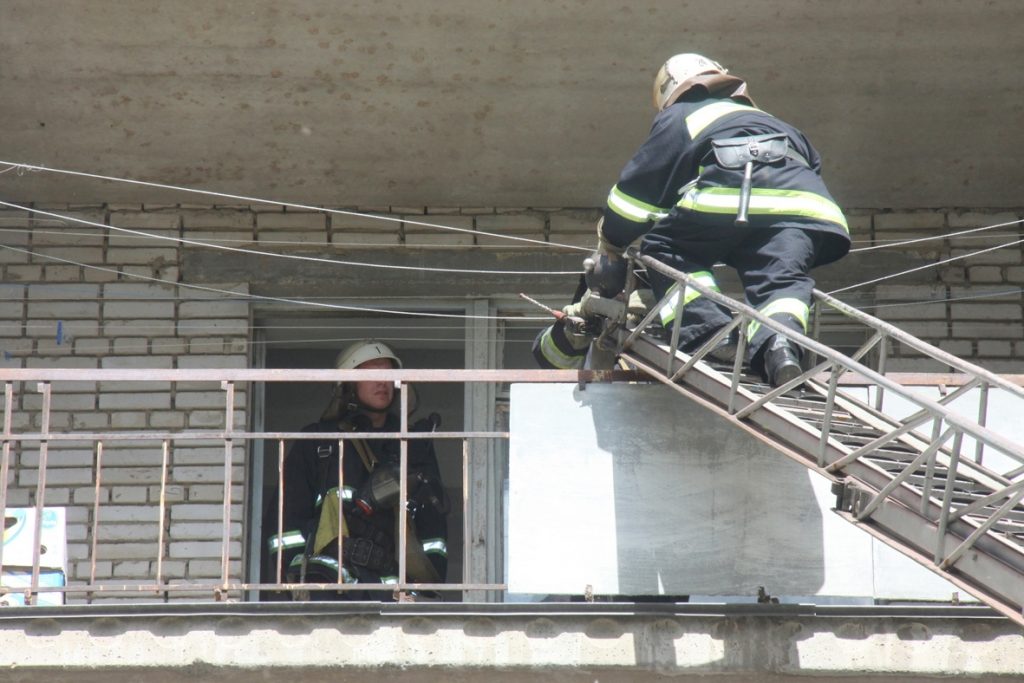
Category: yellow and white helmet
<point>685,71</point>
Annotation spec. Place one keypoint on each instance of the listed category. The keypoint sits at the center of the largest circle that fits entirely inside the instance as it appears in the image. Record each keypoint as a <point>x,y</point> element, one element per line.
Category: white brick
<point>125,551</point>
<point>189,549</point>
<point>226,218</point>
<point>971,330</point>
<point>199,531</point>
<point>977,219</point>
<point>129,532</point>
<point>581,221</point>
<point>212,492</point>
<point>369,224</point>
<point>994,349</point>
<point>213,326</point>
<point>132,570</point>
<point>131,475</point>
<point>87,495</point>
<point>129,494</point>
<point>58,458</point>
<point>26,273</point>
<point>365,239</point>
<point>136,401</point>
<point>63,309</point>
<point>169,420</point>
<point>56,476</point>
<point>216,308</point>
<point>139,256</point>
<point>129,513</point>
<point>146,220</point>
<point>434,239</point>
<point>62,292</point>
<point>986,311</point>
<point>137,309</point>
<point>212,568</point>
<point>292,221</point>
<point>216,362</point>
<point>916,220</point>
<point>201,474</point>
<point>164,362</point>
<point>86,421</point>
<point>172,493</point>
<point>201,512</point>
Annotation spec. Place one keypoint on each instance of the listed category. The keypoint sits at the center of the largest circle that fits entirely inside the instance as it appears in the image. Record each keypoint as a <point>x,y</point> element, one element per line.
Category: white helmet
<point>685,71</point>
<point>356,354</point>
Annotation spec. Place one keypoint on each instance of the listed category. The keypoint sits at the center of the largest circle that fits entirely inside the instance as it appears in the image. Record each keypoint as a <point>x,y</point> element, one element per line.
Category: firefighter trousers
<point>772,264</point>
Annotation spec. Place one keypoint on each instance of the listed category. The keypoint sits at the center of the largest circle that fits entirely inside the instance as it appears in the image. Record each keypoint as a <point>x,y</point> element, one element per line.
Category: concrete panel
<point>491,103</point>
<point>632,490</point>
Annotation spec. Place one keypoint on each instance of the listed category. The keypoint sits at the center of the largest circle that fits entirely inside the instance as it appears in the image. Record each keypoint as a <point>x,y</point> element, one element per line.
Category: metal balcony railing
<point>29,395</point>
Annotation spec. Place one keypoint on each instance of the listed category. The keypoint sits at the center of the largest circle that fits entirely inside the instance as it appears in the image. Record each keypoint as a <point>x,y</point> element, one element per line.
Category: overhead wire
<point>296,257</point>
<point>34,168</point>
<point>276,299</point>
<point>293,205</point>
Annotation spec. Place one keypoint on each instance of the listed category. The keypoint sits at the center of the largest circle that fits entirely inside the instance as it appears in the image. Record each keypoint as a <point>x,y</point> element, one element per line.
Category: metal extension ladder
<point>910,482</point>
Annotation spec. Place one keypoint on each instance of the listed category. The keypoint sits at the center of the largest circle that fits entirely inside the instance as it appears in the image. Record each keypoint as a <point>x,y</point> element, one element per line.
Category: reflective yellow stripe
<point>555,355</point>
<point>633,209</point>
<point>706,115</point>
<point>764,202</point>
<point>794,307</point>
<point>288,539</point>
<point>668,311</point>
<point>436,546</point>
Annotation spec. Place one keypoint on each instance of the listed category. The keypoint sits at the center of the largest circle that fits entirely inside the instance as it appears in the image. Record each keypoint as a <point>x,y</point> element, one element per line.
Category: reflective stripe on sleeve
<point>794,307</point>
<point>289,539</point>
<point>764,202</point>
<point>435,546</point>
<point>632,209</point>
<point>708,114</point>
<point>668,311</point>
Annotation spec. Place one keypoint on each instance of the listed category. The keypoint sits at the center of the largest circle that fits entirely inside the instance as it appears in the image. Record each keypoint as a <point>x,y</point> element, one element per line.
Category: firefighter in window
<point>308,546</point>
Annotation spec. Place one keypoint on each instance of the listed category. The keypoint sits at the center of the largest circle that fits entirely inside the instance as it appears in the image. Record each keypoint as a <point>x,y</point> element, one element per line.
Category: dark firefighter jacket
<point>311,477</point>
<point>674,176</point>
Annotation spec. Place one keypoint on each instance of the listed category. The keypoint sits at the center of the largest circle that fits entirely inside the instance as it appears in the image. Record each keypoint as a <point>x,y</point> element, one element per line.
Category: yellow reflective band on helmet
<point>668,311</point>
<point>764,202</point>
<point>436,546</point>
<point>708,114</point>
<point>555,355</point>
<point>794,307</point>
<point>633,209</point>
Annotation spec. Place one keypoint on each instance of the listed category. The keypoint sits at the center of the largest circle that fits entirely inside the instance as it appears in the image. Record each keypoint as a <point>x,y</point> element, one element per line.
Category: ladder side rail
<point>966,425</point>
<point>920,345</point>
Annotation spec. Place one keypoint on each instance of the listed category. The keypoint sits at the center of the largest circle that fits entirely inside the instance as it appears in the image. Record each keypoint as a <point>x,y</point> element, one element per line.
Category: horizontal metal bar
<point>197,435</point>
<point>208,586</point>
<point>453,375</point>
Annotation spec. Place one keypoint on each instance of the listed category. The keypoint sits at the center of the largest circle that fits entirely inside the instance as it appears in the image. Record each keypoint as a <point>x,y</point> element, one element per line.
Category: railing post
<point>229,427</point>
<point>403,486</point>
<point>5,463</point>
<point>94,540</point>
<point>165,457</point>
<point>44,433</point>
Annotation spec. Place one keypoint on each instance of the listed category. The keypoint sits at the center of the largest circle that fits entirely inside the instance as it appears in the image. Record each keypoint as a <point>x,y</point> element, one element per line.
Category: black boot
<point>781,361</point>
<point>725,350</point>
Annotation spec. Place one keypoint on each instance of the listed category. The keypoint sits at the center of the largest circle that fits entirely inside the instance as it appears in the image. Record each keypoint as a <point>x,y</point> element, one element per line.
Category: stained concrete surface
<point>491,103</point>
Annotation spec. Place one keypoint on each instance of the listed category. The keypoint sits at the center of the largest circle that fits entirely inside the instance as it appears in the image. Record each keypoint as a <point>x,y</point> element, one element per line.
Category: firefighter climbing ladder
<point>938,486</point>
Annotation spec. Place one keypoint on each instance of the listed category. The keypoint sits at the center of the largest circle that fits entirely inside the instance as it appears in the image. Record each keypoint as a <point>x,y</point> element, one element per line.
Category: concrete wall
<point>79,296</point>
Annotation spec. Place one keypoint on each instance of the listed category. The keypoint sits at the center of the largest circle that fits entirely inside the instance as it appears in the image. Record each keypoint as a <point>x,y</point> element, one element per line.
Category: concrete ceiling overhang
<point>492,103</point>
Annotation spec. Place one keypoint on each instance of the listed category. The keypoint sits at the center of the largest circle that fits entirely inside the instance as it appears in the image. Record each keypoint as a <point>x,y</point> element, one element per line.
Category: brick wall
<point>75,296</point>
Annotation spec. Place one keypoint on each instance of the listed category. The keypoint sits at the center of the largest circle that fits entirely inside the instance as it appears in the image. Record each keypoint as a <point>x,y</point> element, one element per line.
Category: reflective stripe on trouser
<point>796,308</point>
<point>668,310</point>
<point>764,202</point>
<point>556,356</point>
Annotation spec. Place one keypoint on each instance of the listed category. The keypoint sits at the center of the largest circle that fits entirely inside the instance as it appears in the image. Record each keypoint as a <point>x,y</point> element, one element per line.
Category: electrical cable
<point>296,257</point>
<point>304,207</point>
<point>260,297</point>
